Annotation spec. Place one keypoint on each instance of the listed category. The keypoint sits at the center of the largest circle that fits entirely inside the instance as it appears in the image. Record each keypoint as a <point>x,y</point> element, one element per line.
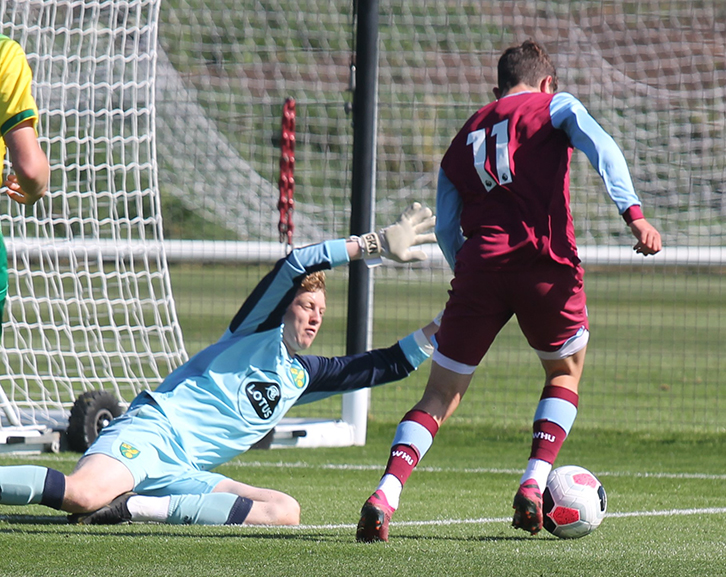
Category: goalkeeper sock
<point>555,415</point>
<point>31,484</point>
<point>414,437</point>
<point>208,509</point>
<point>146,508</point>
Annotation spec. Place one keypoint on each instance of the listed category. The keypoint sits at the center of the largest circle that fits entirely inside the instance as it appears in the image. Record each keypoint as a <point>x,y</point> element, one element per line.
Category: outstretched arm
<point>265,307</point>
<point>587,135</point>
<point>331,376</point>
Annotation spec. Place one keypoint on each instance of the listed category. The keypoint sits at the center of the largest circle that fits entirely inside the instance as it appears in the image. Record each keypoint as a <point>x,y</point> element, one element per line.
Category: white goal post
<point>90,305</point>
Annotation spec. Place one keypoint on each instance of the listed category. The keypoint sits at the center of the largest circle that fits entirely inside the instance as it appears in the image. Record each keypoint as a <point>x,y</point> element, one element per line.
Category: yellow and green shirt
<point>16,100</point>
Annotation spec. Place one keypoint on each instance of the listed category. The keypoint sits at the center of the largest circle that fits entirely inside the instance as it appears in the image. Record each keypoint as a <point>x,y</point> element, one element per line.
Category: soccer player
<point>18,117</point>
<point>504,225</point>
<point>154,463</point>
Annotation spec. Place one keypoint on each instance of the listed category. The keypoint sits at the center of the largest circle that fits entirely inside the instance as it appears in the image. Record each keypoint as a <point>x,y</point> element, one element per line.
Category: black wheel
<point>91,412</point>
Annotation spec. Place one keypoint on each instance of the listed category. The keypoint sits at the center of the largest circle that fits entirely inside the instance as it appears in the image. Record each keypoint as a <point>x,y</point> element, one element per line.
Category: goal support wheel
<point>91,412</point>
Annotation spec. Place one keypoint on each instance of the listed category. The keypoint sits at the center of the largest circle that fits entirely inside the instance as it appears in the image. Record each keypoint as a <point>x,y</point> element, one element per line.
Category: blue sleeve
<point>569,114</point>
<point>266,305</point>
<point>331,376</point>
<point>448,218</point>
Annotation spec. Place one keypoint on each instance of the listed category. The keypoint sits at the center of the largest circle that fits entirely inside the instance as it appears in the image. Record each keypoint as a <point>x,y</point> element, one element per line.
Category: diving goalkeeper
<point>155,462</point>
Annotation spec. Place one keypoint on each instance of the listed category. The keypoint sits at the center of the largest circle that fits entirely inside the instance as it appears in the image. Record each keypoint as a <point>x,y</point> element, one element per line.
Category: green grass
<point>466,482</point>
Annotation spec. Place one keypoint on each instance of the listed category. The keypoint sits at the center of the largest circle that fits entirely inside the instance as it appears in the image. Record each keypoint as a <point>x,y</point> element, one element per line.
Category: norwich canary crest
<point>129,451</point>
<point>299,377</point>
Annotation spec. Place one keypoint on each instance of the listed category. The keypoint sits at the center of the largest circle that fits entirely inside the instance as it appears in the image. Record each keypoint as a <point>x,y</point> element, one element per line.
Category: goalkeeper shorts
<point>143,440</point>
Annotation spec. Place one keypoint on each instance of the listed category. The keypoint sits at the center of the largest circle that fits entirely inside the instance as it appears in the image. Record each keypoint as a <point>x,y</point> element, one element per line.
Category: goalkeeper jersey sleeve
<point>330,376</point>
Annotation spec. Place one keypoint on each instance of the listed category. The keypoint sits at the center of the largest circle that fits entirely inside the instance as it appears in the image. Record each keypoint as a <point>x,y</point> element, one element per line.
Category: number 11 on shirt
<point>500,133</point>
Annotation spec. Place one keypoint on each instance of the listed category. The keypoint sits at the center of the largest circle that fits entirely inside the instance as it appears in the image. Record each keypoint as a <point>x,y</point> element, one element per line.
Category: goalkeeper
<point>154,463</point>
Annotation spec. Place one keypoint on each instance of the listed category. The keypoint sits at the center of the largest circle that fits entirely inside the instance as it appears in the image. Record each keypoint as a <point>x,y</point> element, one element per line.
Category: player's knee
<point>83,497</point>
<point>287,511</point>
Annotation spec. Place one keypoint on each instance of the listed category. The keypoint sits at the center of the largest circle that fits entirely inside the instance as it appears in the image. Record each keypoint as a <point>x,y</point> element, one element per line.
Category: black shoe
<point>115,513</point>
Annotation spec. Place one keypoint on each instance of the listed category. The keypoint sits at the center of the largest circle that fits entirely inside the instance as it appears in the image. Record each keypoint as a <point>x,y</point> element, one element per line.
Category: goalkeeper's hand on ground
<point>395,241</point>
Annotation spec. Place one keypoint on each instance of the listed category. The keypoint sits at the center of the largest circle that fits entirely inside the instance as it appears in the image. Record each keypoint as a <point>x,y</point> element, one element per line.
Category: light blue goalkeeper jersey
<point>230,395</point>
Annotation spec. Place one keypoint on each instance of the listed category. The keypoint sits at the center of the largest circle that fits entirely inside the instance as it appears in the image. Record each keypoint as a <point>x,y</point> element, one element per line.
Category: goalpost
<point>90,305</point>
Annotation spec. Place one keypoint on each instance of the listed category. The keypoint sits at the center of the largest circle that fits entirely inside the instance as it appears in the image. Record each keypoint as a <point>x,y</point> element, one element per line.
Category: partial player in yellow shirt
<point>28,178</point>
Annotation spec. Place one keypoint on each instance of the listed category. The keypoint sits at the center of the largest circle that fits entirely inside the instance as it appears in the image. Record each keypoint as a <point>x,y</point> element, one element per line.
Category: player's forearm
<point>34,182</point>
<point>29,162</point>
<point>354,249</point>
<point>448,219</point>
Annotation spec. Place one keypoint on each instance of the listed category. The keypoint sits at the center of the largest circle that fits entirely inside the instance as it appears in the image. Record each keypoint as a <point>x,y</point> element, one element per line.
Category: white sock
<point>538,470</point>
<point>145,508</point>
<point>391,487</point>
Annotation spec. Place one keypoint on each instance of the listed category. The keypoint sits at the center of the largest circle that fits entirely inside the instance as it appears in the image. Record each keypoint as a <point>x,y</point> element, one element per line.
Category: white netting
<point>89,303</point>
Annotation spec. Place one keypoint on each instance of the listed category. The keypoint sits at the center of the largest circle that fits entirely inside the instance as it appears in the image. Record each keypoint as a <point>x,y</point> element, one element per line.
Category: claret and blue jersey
<point>504,182</point>
<point>231,394</point>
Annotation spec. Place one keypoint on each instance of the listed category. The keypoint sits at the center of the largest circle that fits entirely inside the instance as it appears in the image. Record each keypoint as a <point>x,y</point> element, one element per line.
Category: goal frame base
<point>29,439</point>
<point>310,433</point>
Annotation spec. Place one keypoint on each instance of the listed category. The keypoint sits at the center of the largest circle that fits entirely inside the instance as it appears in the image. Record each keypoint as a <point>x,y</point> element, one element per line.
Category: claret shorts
<point>548,300</point>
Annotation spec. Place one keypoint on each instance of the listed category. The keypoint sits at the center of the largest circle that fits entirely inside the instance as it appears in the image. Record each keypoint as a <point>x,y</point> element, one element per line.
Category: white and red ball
<point>574,502</point>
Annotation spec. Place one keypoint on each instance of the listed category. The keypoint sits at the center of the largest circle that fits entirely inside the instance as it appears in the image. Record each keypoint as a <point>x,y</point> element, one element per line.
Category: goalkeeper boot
<point>374,518</point>
<point>115,513</point>
<point>528,507</point>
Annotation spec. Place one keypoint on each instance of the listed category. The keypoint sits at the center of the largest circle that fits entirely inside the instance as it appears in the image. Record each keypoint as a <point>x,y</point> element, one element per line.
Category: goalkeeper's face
<point>302,320</point>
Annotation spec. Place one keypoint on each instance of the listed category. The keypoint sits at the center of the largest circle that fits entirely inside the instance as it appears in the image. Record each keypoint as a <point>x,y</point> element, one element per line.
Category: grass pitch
<point>665,503</point>
<point>650,427</point>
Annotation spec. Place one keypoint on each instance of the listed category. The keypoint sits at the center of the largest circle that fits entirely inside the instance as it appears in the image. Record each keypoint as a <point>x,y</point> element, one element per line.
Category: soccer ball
<point>574,502</point>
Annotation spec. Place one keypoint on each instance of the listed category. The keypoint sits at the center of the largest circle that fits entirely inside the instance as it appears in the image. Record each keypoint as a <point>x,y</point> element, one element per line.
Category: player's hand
<point>648,237</point>
<point>412,228</point>
<point>16,192</point>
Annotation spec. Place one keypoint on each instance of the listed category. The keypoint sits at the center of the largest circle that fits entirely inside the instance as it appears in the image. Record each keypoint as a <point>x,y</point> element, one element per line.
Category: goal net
<point>89,303</point>
<point>651,72</point>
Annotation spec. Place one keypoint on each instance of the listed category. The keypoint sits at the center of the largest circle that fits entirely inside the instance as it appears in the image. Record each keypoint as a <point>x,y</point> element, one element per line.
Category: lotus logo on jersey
<point>264,398</point>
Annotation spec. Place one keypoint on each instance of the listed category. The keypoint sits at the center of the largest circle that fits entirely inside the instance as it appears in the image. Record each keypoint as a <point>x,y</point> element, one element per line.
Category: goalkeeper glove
<point>395,241</point>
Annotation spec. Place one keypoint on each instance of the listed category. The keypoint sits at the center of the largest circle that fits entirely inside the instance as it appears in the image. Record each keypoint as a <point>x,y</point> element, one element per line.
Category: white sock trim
<point>538,470</point>
<point>391,487</point>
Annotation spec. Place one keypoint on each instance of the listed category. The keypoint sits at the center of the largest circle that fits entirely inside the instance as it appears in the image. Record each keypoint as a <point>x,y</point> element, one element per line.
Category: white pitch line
<point>490,520</point>
<point>423,469</point>
<point>669,512</point>
<point>477,470</point>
